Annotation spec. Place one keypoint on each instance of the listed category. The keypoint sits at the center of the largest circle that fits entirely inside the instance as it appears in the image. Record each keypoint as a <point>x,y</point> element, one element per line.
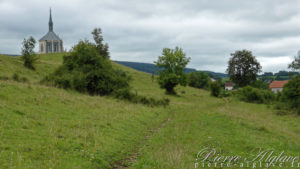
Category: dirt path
<point>132,158</point>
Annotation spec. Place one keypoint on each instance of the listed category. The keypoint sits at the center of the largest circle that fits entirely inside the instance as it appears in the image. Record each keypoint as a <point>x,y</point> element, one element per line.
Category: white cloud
<point>278,63</point>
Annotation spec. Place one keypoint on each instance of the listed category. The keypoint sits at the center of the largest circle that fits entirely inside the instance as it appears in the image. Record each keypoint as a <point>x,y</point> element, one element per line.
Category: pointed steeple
<point>50,23</point>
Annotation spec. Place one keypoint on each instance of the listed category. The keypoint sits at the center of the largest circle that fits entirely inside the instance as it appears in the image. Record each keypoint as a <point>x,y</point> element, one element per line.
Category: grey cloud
<point>207,30</point>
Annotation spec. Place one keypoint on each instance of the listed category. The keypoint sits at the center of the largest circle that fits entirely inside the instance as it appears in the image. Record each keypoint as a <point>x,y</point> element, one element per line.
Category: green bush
<point>224,93</point>
<point>199,80</point>
<point>291,94</point>
<point>86,71</point>
<point>254,95</point>
<point>215,89</point>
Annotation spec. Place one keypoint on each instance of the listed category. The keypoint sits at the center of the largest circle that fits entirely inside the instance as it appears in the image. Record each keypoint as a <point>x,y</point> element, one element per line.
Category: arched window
<point>49,47</point>
<point>55,46</point>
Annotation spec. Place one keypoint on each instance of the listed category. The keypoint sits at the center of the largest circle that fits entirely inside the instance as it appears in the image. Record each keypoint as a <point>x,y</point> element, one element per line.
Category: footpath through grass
<point>46,127</point>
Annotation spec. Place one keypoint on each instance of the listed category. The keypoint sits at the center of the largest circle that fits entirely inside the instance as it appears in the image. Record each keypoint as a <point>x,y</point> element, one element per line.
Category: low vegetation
<point>255,95</point>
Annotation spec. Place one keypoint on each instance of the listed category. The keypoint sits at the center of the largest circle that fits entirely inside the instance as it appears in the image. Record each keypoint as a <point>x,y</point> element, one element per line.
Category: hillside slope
<point>46,127</point>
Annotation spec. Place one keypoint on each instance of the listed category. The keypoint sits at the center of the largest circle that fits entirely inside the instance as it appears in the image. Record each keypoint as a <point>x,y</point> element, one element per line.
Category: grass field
<point>46,127</point>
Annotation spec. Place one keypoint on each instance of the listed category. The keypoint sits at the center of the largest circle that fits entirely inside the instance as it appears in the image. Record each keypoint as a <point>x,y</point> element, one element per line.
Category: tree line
<point>243,69</point>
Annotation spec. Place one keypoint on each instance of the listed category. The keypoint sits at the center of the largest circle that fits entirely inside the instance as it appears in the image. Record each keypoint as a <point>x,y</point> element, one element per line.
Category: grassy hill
<point>46,127</point>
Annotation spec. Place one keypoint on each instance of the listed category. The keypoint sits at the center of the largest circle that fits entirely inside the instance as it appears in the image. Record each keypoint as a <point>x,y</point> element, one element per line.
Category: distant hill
<point>10,54</point>
<point>151,68</point>
<point>280,75</point>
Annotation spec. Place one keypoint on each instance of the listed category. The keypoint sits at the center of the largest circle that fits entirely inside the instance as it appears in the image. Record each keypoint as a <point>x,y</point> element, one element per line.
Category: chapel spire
<point>50,23</point>
<point>51,43</point>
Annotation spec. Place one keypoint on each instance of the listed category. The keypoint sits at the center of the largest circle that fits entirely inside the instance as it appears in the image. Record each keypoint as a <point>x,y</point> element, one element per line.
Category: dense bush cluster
<point>255,95</point>
<point>199,80</point>
<point>291,94</point>
<point>86,71</point>
<point>215,89</point>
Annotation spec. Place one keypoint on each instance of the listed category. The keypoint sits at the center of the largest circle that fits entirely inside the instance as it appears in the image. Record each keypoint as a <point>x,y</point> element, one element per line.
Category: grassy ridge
<point>45,127</point>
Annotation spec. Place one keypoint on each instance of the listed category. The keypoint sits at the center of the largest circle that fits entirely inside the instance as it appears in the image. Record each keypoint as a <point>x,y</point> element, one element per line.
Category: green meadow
<point>47,127</point>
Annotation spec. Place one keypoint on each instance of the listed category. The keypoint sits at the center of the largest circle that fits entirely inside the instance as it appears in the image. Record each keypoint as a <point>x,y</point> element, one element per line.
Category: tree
<point>291,93</point>
<point>268,74</point>
<point>282,73</point>
<point>101,47</point>
<point>295,65</point>
<point>28,55</point>
<point>243,68</point>
<point>172,64</point>
<point>199,80</point>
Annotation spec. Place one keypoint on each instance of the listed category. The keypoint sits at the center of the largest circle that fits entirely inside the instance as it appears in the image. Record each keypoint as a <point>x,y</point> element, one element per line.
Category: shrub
<point>199,80</point>
<point>215,89</point>
<point>85,70</point>
<point>224,93</point>
<point>135,98</point>
<point>16,77</point>
<point>254,95</point>
<point>291,94</point>
<point>282,112</point>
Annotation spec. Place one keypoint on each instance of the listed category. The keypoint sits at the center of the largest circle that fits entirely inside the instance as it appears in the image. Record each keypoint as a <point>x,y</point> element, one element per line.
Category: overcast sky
<point>136,30</point>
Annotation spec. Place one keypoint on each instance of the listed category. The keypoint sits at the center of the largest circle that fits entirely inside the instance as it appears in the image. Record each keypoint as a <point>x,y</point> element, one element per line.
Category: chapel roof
<point>50,36</point>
